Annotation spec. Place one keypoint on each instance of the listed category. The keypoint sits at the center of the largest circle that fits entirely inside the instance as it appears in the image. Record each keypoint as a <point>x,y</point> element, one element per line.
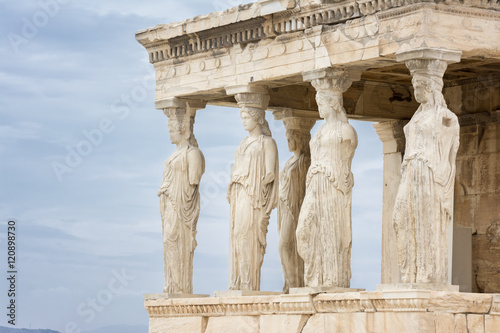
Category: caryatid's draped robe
<point>180,208</point>
<point>424,204</point>
<point>324,233</point>
<point>292,191</point>
<point>251,204</point>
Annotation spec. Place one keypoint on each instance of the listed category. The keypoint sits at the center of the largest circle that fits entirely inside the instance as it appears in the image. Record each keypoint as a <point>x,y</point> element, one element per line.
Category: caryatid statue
<point>423,211</point>
<point>292,192</point>
<point>180,200</point>
<point>252,193</point>
<point>324,234</point>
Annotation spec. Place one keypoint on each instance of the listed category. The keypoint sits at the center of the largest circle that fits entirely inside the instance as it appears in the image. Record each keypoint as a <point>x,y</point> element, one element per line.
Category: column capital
<point>250,95</point>
<point>295,119</point>
<point>428,62</point>
<point>392,136</point>
<point>429,53</point>
<point>330,78</point>
<point>175,102</point>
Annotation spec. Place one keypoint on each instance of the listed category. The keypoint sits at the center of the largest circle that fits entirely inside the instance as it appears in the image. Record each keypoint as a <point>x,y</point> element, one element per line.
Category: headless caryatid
<point>324,233</point>
<point>252,194</point>
<point>423,210</point>
<point>292,192</point>
<point>180,201</point>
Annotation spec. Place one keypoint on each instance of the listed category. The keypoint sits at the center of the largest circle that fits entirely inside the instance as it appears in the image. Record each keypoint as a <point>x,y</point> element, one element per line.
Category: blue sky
<point>89,236</point>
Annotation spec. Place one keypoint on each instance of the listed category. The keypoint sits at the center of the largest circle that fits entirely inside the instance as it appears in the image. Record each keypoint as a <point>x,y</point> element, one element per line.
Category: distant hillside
<point>23,330</point>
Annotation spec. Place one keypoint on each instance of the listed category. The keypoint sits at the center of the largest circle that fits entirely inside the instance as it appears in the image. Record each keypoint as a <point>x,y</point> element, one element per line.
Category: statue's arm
<point>349,142</point>
<point>163,186</point>
<point>271,156</point>
<point>196,166</point>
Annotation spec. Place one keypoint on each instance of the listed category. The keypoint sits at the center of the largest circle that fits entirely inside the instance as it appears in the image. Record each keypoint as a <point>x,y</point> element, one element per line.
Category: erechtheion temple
<point>427,73</point>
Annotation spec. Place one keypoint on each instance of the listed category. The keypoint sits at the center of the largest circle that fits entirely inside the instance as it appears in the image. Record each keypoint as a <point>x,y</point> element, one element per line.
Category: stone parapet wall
<point>379,311</point>
<point>477,198</point>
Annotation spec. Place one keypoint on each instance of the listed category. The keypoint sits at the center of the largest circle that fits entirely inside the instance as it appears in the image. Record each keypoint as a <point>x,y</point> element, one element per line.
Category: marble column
<point>253,189</point>
<point>180,196</point>
<point>292,192</point>
<point>423,209</point>
<point>324,232</point>
<point>393,139</point>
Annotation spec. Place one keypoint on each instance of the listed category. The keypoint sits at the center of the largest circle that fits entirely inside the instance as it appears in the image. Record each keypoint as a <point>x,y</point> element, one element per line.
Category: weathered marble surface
<point>324,233</point>
<point>252,193</point>
<point>292,191</point>
<point>180,200</point>
<point>423,210</point>
<point>360,312</point>
<point>392,136</point>
<point>477,193</point>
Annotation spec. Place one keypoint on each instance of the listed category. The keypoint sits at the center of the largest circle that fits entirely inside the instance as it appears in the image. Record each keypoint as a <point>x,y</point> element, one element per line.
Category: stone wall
<point>394,311</point>
<point>477,196</point>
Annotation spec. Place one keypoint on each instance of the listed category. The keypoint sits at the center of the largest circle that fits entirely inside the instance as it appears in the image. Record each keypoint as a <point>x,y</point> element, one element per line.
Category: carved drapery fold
<point>423,210</point>
<point>324,233</point>
<point>180,197</point>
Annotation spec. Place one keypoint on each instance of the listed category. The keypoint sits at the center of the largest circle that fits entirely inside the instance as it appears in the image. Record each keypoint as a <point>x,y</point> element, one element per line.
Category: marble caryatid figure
<point>324,233</point>
<point>423,209</point>
<point>180,201</point>
<point>252,194</point>
<point>292,192</point>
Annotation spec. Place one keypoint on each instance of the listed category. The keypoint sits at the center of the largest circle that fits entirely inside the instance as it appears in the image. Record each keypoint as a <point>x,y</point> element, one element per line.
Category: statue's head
<point>175,129</point>
<point>428,89</point>
<point>330,102</point>
<point>427,80</point>
<point>298,133</point>
<point>298,140</point>
<point>180,125</point>
<point>252,117</point>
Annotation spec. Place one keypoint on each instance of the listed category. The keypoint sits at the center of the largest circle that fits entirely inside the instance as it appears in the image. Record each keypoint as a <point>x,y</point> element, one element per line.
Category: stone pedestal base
<point>418,286</point>
<point>379,311</point>
<point>319,290</point>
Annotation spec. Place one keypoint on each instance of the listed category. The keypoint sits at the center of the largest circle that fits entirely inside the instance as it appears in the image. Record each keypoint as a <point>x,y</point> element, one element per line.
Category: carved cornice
<point>263,306</point>
<point>396,301</point>
<point>269,26</point>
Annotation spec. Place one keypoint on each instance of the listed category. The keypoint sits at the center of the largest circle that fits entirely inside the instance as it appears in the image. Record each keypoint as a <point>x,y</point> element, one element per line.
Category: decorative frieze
<point>355,302</point>
<point>341,302</point>
<point>257,28</point>
<point>402,301</point>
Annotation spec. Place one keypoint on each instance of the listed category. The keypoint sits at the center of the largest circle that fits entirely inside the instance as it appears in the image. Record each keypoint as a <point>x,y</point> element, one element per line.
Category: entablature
<point>198,58</point>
